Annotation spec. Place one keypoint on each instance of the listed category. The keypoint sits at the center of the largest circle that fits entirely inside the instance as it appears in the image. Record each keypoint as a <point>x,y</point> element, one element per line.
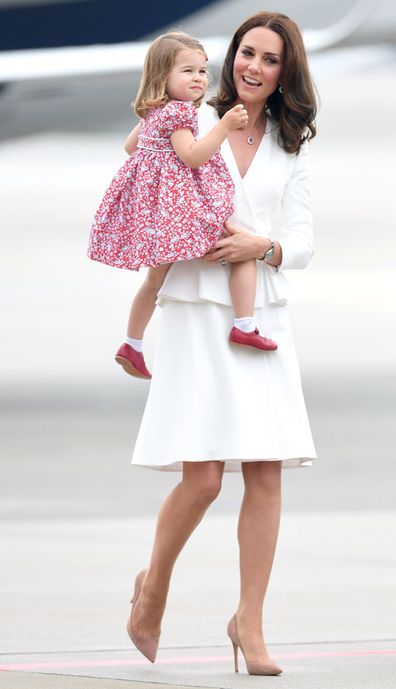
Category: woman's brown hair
<point>159,61</point>
<point>293,109</point>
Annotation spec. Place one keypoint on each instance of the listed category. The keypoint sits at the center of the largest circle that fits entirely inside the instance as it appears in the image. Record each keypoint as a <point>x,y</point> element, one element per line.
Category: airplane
<point>101,49</point>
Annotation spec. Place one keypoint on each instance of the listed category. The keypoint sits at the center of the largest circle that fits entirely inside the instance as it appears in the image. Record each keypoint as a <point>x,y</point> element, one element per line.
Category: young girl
<point>171,198</point>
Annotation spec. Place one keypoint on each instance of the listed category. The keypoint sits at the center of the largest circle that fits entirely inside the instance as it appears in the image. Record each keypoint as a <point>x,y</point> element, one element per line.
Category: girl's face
<point>258,65</point>
<point>188,78</point>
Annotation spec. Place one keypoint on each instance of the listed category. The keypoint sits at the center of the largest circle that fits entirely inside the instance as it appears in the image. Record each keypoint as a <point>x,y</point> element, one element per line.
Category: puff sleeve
<point>296,237</point>
<point>179,115</point>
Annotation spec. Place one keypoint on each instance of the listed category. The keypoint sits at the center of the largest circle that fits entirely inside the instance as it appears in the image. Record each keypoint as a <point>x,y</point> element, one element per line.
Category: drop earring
<point>281,88</point>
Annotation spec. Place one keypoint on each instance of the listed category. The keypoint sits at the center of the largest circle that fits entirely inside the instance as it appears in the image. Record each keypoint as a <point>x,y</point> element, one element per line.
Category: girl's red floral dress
<point>157,209</point>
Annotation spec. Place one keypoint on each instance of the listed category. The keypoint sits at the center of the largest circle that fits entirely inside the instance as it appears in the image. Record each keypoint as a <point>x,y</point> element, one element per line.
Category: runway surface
<point>329,616</point>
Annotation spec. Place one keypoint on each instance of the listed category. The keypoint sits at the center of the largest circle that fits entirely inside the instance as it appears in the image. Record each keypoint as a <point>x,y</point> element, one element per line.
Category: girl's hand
<point>236,118</point>
<point>236,246</point>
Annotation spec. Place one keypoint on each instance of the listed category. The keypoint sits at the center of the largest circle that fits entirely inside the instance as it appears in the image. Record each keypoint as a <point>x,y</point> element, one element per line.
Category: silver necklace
<point>250,139</point>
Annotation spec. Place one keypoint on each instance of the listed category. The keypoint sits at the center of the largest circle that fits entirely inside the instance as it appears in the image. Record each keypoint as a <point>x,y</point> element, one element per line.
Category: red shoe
<point>252,339</point>
<point>132,361</point>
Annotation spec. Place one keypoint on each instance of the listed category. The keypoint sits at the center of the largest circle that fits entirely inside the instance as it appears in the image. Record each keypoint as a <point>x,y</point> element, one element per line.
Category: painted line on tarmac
<point>182,660</point>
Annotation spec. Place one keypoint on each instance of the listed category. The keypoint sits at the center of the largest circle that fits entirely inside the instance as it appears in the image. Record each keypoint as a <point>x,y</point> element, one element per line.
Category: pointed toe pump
<point>147,645</point>
<point>254,667</point>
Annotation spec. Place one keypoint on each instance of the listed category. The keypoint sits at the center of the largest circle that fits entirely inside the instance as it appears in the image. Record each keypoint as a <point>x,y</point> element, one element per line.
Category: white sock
<point>246,324</point>
<point>136,344</point>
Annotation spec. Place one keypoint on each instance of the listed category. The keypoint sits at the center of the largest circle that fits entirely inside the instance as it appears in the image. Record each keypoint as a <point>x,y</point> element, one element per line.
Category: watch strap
<point>269,253</point>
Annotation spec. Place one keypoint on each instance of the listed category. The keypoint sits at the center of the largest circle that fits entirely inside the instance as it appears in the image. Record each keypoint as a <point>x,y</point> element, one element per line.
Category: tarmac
<point>77,521</point>
<point>329,616</point>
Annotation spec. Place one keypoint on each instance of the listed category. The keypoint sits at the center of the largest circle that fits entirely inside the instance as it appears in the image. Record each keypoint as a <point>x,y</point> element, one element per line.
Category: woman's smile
<point>249,81</point>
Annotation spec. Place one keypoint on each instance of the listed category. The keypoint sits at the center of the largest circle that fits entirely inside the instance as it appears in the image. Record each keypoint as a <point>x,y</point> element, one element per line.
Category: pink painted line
<point>184,660</point>
<point>336,654</point>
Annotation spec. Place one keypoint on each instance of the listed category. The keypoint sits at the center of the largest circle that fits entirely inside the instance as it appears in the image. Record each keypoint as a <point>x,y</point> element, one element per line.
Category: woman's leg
<point>243,288</point>
<point>257,535</point>
<point>143,304</point>
<point>181,512</point>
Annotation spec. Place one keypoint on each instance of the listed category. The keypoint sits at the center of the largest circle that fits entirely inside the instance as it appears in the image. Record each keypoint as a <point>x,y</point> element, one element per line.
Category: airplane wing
<point>48,63</point>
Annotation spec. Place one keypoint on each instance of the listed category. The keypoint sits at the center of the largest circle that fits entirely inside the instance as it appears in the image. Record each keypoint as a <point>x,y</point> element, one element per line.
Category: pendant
<point>250,140</point>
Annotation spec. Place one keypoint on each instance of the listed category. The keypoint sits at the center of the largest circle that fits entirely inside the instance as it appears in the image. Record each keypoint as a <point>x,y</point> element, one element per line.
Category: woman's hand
<point>237,245</point>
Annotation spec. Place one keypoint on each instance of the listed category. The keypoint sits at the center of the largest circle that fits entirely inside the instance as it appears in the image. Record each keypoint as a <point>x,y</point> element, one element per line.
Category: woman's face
<point>258,65</point>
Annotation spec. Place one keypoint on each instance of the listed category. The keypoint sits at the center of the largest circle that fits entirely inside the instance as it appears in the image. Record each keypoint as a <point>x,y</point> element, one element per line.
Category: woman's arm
<point>194,153</point>
<point>295,248</point>
<point>238,245</point>
<point>131,142</point>
<point>296,215</point>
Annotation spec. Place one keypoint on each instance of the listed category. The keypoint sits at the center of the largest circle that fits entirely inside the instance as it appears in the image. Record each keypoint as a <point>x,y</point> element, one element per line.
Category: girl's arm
<point>130,145</point>
<point>194,153</point>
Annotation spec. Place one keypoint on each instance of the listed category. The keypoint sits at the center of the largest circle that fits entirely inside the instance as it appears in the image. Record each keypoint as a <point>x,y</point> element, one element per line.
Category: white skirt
<point>210,400</point>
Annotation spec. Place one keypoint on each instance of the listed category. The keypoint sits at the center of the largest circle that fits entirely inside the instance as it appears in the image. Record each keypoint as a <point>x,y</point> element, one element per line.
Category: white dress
<point>209,400</point>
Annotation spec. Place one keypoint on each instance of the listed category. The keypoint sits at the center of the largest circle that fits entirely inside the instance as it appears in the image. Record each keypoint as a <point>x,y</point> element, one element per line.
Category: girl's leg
<point>243,288</point>
<point>181,512</point>
<point>257,535</point>
<point>243,281</point>
<point>144,302</point>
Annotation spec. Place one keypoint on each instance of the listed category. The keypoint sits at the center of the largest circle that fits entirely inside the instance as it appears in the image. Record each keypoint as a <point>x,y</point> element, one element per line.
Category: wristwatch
<point>269,253</point>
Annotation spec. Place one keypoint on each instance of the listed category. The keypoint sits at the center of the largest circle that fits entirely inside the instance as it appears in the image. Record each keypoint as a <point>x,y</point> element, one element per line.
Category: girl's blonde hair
<point>157,66</point>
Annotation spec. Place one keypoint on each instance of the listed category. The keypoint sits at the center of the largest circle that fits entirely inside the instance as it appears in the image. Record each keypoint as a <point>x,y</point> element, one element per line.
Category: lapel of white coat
<point>244,213</point>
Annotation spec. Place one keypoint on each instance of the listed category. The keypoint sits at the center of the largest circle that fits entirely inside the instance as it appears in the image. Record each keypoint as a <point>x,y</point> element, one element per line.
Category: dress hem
<point>231,465</point>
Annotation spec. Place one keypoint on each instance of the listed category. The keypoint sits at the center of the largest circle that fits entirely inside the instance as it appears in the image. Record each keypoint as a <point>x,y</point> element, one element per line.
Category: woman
<point>213,408</point>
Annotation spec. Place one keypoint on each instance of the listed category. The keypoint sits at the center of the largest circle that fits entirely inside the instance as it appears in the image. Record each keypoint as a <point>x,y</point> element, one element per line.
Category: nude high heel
<point>147,645</point>
<point>254,667</point>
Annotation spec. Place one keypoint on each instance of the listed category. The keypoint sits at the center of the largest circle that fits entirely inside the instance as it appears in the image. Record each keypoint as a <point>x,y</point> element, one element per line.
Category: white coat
<point>209,400</point>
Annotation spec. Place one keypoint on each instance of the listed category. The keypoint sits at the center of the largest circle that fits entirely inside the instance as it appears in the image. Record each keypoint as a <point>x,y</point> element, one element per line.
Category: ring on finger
<point>222,261</point>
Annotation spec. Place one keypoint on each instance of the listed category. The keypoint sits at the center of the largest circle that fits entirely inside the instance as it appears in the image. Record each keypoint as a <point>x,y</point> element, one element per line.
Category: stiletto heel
<point>235,647</point>
<point>253,667</point>
<point>147,645</point>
